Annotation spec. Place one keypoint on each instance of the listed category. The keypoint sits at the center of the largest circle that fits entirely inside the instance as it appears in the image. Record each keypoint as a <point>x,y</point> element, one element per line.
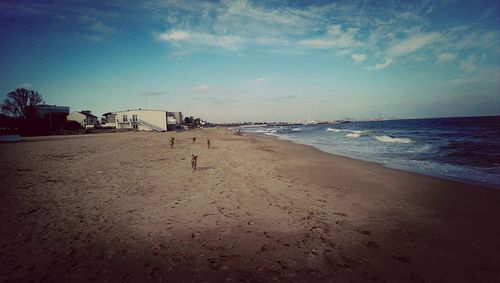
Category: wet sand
<point>125,207</point>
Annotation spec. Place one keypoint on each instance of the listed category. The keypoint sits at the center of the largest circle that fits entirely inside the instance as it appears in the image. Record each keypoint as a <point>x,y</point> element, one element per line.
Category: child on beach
<point>194,161</point>
<point>172,142</point>
<point>194,139</point>
<point>208,143</point>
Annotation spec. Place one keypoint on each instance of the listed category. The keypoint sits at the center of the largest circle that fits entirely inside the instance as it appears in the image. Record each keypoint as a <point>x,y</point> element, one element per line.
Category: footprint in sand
<point>265,248</point>
<point>340,222</point>
<point>155,272</point>
<point>364,232</point>
<point>287,266</point>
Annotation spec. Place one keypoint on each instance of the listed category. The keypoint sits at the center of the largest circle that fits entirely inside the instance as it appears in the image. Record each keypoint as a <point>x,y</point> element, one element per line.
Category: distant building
<point>108,120</point>
<point>85,118</point>
<point>178,118</point>
<point>143,120</point>
<point>174,120</point>
<point>43,110</point>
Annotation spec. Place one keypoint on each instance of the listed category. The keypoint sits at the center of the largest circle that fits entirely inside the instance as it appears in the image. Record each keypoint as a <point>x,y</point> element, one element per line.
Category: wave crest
<point>357,134</point>
<point>393,140</point>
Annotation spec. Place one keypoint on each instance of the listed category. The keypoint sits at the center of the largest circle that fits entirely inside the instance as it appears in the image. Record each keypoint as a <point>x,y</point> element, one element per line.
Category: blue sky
<point>257,60</point>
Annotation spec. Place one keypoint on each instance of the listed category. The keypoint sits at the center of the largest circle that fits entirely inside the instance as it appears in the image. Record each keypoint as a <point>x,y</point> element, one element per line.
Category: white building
<point>140,119</point>
<point>84,118</point>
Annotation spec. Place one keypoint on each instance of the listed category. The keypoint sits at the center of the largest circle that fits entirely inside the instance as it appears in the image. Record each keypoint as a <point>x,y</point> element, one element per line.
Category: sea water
<point>466,149</point>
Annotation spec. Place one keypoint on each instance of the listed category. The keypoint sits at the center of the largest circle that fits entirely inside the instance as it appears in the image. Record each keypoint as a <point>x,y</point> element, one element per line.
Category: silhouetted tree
<point>21,103</point>
<point>197,121</point>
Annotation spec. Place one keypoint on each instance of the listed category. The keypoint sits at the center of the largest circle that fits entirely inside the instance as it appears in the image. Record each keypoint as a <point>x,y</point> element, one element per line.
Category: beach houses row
<point>143,120</point>
<point>85,118</point>
<point>140,119</point>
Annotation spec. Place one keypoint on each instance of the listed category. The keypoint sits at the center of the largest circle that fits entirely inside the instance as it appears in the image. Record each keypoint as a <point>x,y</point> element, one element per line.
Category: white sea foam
<point>333,130</point>
<point>353,135</point>
<point>356,134</point>
<point>421,149</point>
<point>393,140</point>
<point>261,131</point>
<point>296,130</point>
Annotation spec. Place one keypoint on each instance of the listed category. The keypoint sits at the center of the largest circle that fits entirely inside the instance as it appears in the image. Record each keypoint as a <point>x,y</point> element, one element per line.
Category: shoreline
<point>388,166</point>
<point>128,207</point>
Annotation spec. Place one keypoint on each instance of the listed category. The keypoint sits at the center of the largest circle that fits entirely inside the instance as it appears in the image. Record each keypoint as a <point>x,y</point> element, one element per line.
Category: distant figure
<point>194,139</point>
<point>239,132</point>
<point>172,140</point>
<point>208,143</point>
<point>194,161</point>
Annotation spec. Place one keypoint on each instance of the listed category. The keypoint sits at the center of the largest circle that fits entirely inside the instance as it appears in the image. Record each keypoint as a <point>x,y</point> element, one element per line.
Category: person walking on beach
<point>172,142</point>
<point>194,161</point>
<point>208,143</point>
<point>194,139</point>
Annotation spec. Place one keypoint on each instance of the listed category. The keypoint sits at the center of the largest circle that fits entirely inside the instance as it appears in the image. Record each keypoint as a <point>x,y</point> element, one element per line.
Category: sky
<point>242,60</point>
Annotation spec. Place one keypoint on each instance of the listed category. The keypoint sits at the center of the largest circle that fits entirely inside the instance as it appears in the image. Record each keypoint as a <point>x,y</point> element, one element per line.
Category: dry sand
<point>126,207</point>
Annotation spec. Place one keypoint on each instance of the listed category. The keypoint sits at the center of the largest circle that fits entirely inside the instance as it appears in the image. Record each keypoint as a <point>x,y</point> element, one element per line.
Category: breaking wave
<point>393,140</point>
<point>357,134</point>
<point>334,130</point>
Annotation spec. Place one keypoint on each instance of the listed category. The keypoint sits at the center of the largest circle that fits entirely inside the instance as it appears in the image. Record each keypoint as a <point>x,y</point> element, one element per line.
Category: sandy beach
<point>125,207</point>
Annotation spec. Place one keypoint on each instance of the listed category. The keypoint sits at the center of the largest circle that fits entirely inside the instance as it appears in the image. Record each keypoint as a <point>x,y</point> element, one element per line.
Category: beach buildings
<point>178,118</point>
<point>174,120</point>
<point>143,120</point>
<point>44,110</point>
<point>85,118</point>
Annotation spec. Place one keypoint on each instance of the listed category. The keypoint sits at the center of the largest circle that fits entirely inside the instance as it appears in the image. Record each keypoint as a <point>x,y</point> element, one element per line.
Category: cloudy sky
<point>257,60</point>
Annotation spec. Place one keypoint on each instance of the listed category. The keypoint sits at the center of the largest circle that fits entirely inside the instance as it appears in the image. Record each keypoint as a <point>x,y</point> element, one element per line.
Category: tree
<point>21,103</point>
<point>197,121</point>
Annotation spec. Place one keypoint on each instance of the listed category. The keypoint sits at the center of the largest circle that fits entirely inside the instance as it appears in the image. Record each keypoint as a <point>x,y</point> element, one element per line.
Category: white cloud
<point>333,38</point>
<point>412,44</point>
<point>446,57</point>
<point>259,81</point>
<point>380,66</point>
<point>354,29</point>
<point>201,88</point>
<point>358,58</point>
<point>193,39</point>
<point>173,35</point>
<point>97,31</point>
<point>487,75</point>
<point>466,37</point>
<point>101,28</point>
<point>469,64</point>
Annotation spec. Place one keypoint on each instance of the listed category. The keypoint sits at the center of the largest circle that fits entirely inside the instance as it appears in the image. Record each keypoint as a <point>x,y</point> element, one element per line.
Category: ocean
<point>465,149</point>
